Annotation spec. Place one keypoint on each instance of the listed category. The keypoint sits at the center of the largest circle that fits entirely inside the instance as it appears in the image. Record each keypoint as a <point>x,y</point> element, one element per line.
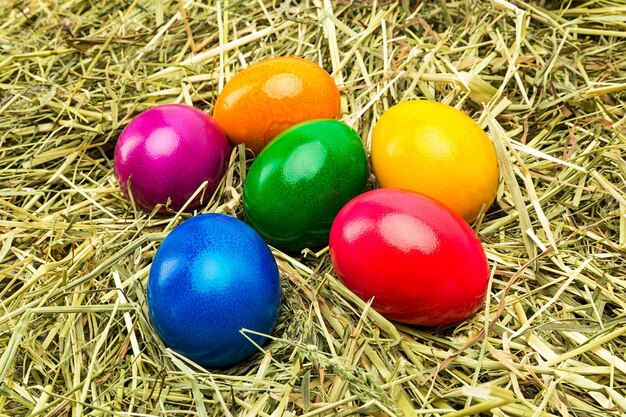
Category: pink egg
<point>166,153</point>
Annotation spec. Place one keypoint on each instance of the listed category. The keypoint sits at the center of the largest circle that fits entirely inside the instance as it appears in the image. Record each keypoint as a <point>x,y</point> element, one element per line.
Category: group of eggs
<point>406,246</point>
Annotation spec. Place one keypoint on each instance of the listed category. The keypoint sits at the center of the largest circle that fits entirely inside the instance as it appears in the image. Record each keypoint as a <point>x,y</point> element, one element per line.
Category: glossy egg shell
<point>420,262</point>
<point>266,98</point>
<point>167,152</point>
<point>212,276</point>
<point>437,150</point>
<point>298,184</point>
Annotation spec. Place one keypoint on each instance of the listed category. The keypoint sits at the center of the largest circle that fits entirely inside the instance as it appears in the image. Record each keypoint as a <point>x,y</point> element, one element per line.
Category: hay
<point>544,78</point>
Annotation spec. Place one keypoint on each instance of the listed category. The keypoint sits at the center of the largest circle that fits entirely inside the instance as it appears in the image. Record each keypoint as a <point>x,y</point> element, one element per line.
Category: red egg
<point>418,260</point>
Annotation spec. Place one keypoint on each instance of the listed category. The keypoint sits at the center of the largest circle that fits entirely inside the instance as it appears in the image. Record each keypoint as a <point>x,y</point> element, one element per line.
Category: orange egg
<point>268,97</point>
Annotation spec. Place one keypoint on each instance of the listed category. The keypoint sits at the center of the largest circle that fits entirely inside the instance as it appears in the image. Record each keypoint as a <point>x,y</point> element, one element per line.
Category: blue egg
<point>212,276</point>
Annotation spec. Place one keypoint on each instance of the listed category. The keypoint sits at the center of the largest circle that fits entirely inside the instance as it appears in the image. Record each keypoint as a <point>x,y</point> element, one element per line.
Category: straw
<point>545,79</point>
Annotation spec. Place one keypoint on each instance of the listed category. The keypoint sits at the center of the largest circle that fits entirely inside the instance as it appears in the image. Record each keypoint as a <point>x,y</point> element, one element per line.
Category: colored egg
<point>166,153</point>
<point>212,277</point>
<point>298,184</point>
<point>437,150</point>
<point>419,261</point>
<point>266,98</point>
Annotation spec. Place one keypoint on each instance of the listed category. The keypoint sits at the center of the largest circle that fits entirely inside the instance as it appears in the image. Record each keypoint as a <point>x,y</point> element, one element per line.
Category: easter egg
<point>298,184</point>
<point>419,261</point>
<point>437,150</point>
<point>166,153</point>
<point>211,277</point>
<point>266,98</point>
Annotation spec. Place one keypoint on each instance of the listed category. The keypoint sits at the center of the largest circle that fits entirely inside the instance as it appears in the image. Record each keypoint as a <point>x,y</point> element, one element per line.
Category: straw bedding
<point>545,79</point>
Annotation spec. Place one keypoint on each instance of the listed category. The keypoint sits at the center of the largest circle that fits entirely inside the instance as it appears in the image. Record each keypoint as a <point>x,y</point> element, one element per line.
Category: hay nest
<point>545,79</point>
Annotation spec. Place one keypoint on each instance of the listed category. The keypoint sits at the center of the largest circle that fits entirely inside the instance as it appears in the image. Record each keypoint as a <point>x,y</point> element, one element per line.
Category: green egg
<point>301,180</point>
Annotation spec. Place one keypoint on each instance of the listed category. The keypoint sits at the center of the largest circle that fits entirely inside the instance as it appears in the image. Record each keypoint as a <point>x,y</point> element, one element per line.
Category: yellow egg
<point>436,150</point>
